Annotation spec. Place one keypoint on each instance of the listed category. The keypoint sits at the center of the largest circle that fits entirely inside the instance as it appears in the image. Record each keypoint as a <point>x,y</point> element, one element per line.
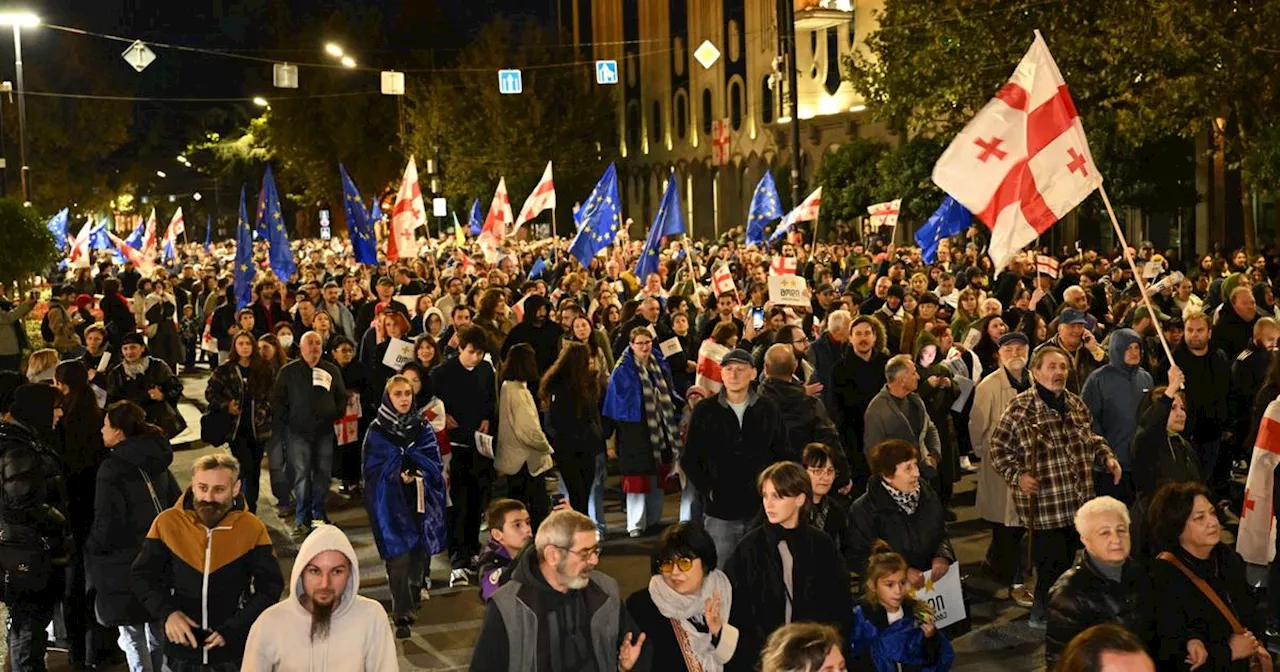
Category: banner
<point>399,353</point>
<point>788,290</point>
<point>945,597</point>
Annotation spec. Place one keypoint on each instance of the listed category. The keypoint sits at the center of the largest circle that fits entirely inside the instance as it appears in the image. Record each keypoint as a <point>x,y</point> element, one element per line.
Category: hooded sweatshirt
<point>359,634</point>
<point>1114,394</point>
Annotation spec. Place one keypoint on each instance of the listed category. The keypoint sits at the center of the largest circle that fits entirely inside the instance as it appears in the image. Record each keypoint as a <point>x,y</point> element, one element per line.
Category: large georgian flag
<point>543,198</point>
<point>495,223</point>
<point>1023,162</point>
<point>407,215</point>
<point>1255,540</point>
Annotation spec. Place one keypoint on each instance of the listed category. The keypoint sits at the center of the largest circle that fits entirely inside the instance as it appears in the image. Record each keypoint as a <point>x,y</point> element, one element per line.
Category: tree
<point>28,245</point>
<point>849,176</point>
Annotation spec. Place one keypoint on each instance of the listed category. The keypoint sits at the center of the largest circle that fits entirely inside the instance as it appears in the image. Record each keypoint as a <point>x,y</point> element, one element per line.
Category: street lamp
<point>161,174</point>
<point>260,101</point>
<point>333,50</point>
<point>20,20</point>
<point>348,62</point>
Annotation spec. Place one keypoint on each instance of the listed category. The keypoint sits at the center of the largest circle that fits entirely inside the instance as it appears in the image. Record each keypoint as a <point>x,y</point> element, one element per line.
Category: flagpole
<point>555,238</point>
<point>1137,275</point>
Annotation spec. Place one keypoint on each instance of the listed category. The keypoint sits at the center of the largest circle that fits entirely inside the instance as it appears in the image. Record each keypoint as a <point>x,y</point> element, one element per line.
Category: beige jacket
<point>520,440</point>
<point>990,399</point>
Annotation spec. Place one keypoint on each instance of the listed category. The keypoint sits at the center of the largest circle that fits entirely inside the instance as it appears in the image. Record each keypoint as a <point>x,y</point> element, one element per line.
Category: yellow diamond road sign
<point>706,54</point>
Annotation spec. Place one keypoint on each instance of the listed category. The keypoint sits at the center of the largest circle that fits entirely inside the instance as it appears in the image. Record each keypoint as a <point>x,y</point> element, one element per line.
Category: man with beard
<point>556,613</point>
<point>323,624</point>
<point>538,331</point>
<point>199,561</point>
<point>857,379</point>
<point>267,311</point>
<point>1208,386</point>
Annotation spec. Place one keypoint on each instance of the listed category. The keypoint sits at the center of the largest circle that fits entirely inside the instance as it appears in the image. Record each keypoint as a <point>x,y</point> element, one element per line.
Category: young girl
<point>891,630</point>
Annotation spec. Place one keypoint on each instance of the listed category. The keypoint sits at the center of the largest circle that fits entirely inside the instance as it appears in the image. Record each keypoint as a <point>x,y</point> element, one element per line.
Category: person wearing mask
<point>1114,393</point>
<point>552,583</point>
<point>323,622</point>
<point>147,382</point>
<point>683,611</point>
<point>1207,372</point>
<point>307,398</point>
<point>1042,445</point>
<point>402,459</point>
<point>466,385</point>
<point>522,452</point>
<point>784,571</point>
<point>643,407</point>
<point>1082,349</point>
<point>1105,586</point>
<point>133,486</point>
<point>572,393</point>
<point>241,389</point>
<point>858,377</point>
<point>288,342</point>
<point>207,615</point>
<point>35,507</point>
<point>730,440</point>
<point>510,532</point>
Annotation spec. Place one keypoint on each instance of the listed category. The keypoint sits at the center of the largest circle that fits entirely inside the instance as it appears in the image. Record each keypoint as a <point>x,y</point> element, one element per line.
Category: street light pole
<point>22,115</point>
<point>787,31</point>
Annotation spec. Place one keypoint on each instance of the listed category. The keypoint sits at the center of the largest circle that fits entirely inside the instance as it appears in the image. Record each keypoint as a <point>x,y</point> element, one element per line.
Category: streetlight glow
<point>161,173</point>
<point>19,19</point>
<point>333,50</point>
<point>260,101</point>
<point>182,159</point>
<point>348,62</point>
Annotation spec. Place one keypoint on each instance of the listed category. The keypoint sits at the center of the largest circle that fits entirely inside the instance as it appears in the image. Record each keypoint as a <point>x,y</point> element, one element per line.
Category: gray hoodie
<point>1114,393</point>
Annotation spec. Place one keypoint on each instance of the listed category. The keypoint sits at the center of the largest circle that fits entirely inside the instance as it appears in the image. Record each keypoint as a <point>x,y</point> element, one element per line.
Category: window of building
<point>655,122</point>
<point>735,41</point>
<point>832,82</point>
<point>682,114</point>
<point>766,100</point>
<point>735,104</point>
<point>707,114</point>
<point>634,126</point>
<point>677,55</point>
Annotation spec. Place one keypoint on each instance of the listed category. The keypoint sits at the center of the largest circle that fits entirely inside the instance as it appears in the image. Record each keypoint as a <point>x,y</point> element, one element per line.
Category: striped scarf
<point>659,411</point>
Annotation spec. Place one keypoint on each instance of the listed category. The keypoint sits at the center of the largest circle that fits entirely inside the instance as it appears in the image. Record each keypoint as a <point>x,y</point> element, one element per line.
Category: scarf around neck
<point>684,609</point>
<point>402,428</point>
<point>659,410</point>
<point>135,370</point>
<point>907,501</point>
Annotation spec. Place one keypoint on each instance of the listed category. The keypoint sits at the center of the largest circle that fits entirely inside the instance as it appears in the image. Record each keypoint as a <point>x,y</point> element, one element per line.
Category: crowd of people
<point>814,448</point>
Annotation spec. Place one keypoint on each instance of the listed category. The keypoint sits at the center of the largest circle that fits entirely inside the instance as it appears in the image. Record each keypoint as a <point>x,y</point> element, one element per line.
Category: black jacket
<point>1232,334</point>
<point>1158,456</point>
<point>1248,374</point>
<point>1183,613</point>
<point>123,512</point>
<point>302,407</point>
<point>1208,386</point>
<point>266,318</point>
<point>659,633</point>
<point>857,382</point>
<point>820,586</point>
<point>722,458</point>
<point>572,431</point>
<point>825,354</point>
<point>544,339</point>
<point>1083,597</point>
<point>33,497</point>
<point>470,397</point>
<point>918,538</point>
<point>163,412</point>
<point>805,421</point>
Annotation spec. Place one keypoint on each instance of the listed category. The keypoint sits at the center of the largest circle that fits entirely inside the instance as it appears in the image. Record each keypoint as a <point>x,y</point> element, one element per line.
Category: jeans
<point>595,506</point>
<point>312,461</point>
<point>248,451</point>
<point>644,508</point>
<point>725,534</point>
<point>142,646</point>
<point>404,578</point>
<point>1053,552</point>
<point>27,638</point>
<point>281,468</point>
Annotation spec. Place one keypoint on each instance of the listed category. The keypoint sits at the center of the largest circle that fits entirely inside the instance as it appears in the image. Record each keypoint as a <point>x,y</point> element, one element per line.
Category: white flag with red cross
<point>807,211</point>
<point>1047,265</point>
<point>407,215</point>
<point>495,223</point>
<point>722,280</point>
<point>543,198</point>
<point>1023,162</point>
<point>783,266</point>
<point>708,369</point>
<point>148,245</point>
<point>78,247</point>
<point>142,262</point>
<point>885,214</point>
<point>1255,540</point>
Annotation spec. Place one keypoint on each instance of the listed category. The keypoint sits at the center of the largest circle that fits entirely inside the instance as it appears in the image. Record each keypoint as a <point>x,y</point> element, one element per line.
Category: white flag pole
<point>1137,275</point>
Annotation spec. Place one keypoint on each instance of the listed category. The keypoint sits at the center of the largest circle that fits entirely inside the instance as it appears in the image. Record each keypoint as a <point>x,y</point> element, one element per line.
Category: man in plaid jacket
<point>1045,448</point>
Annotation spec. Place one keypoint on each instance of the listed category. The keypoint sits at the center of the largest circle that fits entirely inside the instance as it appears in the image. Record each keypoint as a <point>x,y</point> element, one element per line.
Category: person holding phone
<point>13,336</point>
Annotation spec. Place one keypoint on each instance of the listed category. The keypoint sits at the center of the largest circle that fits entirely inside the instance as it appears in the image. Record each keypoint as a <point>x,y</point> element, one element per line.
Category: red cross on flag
<point>885,214</point>
<point>78,252</point>
<point>149,235</point>
<point>720,142</point>
<point>783,266</point>
<point>495,224</point>
<point>1023,162</point>
<point>407,215</point>
<point>141,261</point>
<point>708,368</point>
<point>542,198</point>
<point>722,280</point>
<point>176,228</point>
<point>1047,265</point>
<point>1255,540</point>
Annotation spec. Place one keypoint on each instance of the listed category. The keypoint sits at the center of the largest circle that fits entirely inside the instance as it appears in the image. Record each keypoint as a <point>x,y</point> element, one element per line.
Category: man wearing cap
<point>730,440</point>
<point>1114,393</point>
<point>385,289</point>
<point>1083,352</point>
<point>147,382</point>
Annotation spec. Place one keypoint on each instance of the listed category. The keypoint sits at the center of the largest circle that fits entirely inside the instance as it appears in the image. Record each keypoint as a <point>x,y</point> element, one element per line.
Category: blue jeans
<point>312,461</point>
<point>142,646</point>
<point>28,641</point>
<point>725,534</point>
<point>595,507</point>
<point>281,468</point>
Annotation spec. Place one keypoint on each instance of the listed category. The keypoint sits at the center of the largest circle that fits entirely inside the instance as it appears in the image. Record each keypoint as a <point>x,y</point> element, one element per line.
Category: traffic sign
<point>139,55</point>
<point>284,76</point>
<point>706,54</point>
<point>606,72</point>
<point>510,82</point>
<point>393,83</point>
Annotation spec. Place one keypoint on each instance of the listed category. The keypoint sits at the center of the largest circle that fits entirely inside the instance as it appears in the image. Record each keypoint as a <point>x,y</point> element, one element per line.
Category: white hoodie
<point>359,633</point>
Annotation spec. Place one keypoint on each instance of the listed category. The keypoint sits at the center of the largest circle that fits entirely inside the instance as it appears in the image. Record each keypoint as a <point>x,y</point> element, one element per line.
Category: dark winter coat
<point>33,496</point>
<point>163,412</point>
<point>805,421</point>
<point>545,339</point>
<point>857,382</point>
<point>300,406</point>
<point>722,458</point>
<point>1082,597</point>
<point>1232,334</point>
<point>1208,387</point>
<point>918,538</point>
<point>227,385</point>
<point>1183,613</point>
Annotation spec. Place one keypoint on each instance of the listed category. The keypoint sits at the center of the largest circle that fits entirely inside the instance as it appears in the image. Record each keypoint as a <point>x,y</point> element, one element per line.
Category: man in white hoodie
<point>323,624</point>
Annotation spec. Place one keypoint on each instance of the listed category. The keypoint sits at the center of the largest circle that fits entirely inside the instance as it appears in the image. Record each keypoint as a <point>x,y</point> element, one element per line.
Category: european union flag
<point>477,218</point>
<point>764,209</point>
<point>244,257</point>
<point>279,256</point>
<point>600,218</point>
<point>668,222</point>
<point>539,267</point>
<point>98,238</point>
<point>135,239</point>
<point>58,227</point>
<point>208,234</point>
<point>359,224</point>
<point>949,219</point>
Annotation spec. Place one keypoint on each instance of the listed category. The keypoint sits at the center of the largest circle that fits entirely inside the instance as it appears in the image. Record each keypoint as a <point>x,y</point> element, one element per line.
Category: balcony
<point>814,15</point>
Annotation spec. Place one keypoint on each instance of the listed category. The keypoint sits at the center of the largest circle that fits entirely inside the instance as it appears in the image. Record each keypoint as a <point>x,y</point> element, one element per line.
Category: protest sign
<point>788,290</point>
<point>399,353</point>
<point>945,597</point>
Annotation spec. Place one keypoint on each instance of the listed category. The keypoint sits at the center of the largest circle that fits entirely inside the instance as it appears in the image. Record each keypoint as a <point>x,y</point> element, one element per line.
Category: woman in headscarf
<point>401,459</point>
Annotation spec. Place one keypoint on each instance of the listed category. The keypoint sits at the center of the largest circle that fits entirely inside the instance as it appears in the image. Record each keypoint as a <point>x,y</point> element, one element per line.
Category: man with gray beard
<point>323,624</point>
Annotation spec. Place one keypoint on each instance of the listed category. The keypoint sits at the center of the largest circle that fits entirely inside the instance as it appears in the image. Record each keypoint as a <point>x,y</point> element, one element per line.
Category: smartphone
<point>557,498</point>
<point>202,636</point>
<point>757,318</point>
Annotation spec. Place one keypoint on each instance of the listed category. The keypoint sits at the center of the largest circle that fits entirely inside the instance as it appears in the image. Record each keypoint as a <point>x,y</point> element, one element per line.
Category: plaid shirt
<point>1063,449</point>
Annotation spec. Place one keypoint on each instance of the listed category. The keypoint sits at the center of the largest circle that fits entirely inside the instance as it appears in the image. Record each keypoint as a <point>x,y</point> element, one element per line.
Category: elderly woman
<point>1105,586</point>
<point>684,609</point>
<point>1205,616</point>
<point>902,510</point>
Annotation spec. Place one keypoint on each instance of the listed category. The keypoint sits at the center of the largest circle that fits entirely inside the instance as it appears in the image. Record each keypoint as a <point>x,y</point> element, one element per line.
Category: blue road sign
<point>606,72</point>
<point>510,82</point>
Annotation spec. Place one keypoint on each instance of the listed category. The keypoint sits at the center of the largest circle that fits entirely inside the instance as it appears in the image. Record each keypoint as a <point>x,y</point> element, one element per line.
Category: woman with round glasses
<point>685,609</point>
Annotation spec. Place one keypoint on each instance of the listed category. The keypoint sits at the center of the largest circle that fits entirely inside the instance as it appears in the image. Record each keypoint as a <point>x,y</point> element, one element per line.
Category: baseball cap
<point>737,356</point>
<point>898,291</point>
<point>1013,337</point>
<point>1072,316</point>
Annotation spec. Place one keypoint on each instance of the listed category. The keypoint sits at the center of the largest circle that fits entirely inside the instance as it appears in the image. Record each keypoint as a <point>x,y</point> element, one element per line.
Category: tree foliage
<point>28,245</point>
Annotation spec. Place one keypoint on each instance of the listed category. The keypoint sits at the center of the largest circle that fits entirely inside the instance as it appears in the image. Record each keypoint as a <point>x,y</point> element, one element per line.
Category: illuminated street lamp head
<point>348,62</point>
<point>333,50</point>
<point>21,19</point>
<point>161,174</point>
<point>260,101</point>
<point>182,159</point>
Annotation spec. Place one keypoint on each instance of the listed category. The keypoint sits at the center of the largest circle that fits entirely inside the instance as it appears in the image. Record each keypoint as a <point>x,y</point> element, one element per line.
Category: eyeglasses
<point>668,566</point>
<point>584,554</point>
<point>816,471</point>
<point>642,344</point>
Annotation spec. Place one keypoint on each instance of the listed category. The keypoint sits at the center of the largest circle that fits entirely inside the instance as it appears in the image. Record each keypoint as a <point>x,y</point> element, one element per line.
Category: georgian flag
<point>407,215</point>
<point>495,223</point>
<point>722,280</point>
<point>542,198</point>
<point>148,245</point>
<point>1023,162</point>
<point>783,266</point>
<point>807,211</point>
<point>1255,540</point>
<point>885,214</point>
<point>78,247</point>
<point>176,228</point>
<point>708,371</point>
<point>142,262</point>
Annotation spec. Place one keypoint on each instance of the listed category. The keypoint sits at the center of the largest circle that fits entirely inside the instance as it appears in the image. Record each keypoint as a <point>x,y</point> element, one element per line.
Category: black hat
<point>898,291</point>
<point>737,356</point>
<point>133,338</point>
<point>1013,337</point>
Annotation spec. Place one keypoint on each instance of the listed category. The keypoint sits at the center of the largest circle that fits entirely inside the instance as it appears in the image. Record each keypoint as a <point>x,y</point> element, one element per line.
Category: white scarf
<point>684,607</point>
<point>135,370</point>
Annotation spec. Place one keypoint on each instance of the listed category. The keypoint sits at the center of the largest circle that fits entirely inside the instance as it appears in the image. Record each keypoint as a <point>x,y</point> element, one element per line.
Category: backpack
<point>46,331</point>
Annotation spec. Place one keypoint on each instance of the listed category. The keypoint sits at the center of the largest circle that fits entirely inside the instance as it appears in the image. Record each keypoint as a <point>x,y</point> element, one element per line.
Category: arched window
<point>655,122</point>
<point>677,55</point>
<point>766,100</point>
<point>832,82</point>
<point>706,112</point>
<point>634,126</point>
<point>682,115</point>
<point>735,41</point>
<point>735,104</point>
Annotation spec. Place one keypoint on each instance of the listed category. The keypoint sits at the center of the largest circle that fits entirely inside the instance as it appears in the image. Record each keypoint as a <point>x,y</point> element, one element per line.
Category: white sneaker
<point>966,465</point>
<point>458,577</point>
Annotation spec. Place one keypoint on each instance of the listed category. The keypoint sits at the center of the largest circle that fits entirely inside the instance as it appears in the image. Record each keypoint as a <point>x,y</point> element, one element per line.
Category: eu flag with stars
<point>539,267</point>
<point>280,256</point>
<point>764,209</point>
<point>135,239</point>
<point>244,257</point>
<point>477,218</point>
<point>359,225</point>
<point>948,220</point>
<point>58,227</point>
<point>208,234</point>
<point>669,222</point>
<point>600,218</point>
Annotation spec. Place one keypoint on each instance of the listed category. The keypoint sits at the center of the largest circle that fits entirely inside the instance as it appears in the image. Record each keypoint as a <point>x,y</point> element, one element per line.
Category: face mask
<point>286,341</point>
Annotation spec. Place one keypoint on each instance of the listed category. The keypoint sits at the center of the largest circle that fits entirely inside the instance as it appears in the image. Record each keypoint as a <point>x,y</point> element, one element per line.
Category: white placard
<point>409,301</point>
<point>398,354</point>
<point>1151,269</point>
<point>670,346</point>
<point>788,290</point>
<point>484,444</point>
<point>106,359</point>
<point>945,597</point>
<point>653,333</point>
<point>321,378</point>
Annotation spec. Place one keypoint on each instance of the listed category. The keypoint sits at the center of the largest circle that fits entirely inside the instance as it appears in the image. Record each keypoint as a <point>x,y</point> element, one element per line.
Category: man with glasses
<point>556,612</point>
